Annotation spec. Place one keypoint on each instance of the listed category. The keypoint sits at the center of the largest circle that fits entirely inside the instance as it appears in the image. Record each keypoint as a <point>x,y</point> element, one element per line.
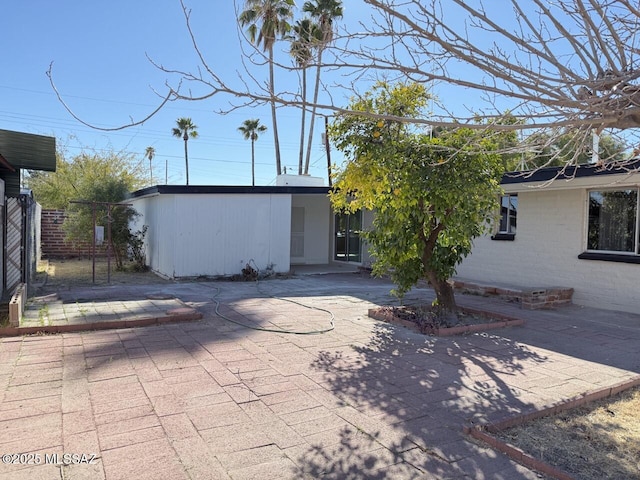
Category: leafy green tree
<point>268,20</point>
<point>92,177</point>
<point>324,12</point>
<point>431,193</point>
<point>185,129</point>
<point>250,129</point>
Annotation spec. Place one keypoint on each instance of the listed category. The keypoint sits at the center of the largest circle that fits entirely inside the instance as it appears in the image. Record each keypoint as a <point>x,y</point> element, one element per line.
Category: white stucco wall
<point>215,234</point>
<point>158,213</point>
<point>551,233</point>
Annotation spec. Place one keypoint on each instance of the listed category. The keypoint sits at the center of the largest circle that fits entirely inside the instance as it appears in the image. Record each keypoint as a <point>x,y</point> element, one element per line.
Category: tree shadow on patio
<point>407,398</point>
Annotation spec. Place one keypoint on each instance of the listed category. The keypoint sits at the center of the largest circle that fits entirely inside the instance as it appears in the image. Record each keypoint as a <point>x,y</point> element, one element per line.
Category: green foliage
<point>83,176</point>
<point>266,20</point>
<point>250,129</point>
<point>432,194</point>
<point>185,129</point>
<point>92,177</point>
<point>568,148</point>
<point>137,249</point>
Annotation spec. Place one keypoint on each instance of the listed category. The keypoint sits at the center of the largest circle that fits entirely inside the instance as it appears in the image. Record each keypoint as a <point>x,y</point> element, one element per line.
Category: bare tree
<point>567,64</point>
<point>567,67</point>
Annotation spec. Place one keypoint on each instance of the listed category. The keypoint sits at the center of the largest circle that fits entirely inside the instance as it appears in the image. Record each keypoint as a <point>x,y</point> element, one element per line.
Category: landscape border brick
<point>504,321</point>
<point>483,432</point>
<point>104,325</point>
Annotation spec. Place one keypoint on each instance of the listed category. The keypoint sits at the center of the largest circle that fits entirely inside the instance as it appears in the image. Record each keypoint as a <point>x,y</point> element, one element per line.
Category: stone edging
<point>483,432</point>
<point>174,315</point>
<point>504,321</point>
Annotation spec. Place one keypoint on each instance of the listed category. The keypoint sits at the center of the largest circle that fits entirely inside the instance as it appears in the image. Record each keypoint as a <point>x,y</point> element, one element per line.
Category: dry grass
<point>79,272</point>
<point>595,442</point>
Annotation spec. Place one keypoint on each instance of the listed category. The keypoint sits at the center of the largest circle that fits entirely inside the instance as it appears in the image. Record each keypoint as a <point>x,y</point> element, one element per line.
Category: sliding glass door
<point>347,242</point>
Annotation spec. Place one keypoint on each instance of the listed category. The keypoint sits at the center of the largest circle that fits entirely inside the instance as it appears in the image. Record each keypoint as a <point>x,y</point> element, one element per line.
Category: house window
<point>508,217</point>
<point>613,221</point>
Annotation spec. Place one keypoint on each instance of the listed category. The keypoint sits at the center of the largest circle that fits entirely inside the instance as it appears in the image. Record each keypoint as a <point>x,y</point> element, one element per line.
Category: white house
<point>216,230</point>
<point>578,228</point>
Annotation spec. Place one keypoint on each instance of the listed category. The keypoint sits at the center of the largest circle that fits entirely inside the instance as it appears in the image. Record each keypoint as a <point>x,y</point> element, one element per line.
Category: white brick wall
<point>550,235</point>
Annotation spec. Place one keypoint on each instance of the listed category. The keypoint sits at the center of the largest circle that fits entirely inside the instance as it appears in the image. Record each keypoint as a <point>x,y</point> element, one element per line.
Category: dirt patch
<point>57,273</point>
<point>425,320</point>
<point>598,441</point>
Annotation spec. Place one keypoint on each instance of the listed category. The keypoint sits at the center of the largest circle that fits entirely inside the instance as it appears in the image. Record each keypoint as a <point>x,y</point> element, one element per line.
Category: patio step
<point>529,298</point>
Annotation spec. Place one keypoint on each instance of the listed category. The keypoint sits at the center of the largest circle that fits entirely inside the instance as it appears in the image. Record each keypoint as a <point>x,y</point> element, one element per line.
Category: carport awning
<point>26,150</point>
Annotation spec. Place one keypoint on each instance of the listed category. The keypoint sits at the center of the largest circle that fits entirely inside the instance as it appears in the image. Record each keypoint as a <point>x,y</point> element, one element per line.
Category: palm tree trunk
<point>253,163</point>
<point>304,114</point>
<point>186,157</point>
<point>273,112</point>
<point>313,113</point>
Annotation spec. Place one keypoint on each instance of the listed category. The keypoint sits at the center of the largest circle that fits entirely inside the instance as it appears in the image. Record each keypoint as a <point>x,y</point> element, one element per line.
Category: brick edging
<point>504,321</point>
<point>479,432</point>
<point>104,325</point>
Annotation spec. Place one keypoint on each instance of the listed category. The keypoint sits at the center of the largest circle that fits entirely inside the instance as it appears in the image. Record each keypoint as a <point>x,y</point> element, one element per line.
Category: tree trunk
<point>304,114</point>
<point>253,163</point>
<point>313,113</point>
<point>273,113</point>
<point>186,157</point>
<point>447,306</point>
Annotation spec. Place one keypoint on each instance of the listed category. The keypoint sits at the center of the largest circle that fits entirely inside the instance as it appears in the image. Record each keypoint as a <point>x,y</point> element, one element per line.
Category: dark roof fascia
<point>228,189</point>
<point>567,173</point>
<point>28,151</point>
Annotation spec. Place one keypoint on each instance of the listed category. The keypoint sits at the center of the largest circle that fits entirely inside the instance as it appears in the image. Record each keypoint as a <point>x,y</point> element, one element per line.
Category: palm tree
<point>250,129</point>
<point>149,153</point>
<point>185,129</point>
<point>306,35</point>
<point>325,12</point>
<point>267,20</point>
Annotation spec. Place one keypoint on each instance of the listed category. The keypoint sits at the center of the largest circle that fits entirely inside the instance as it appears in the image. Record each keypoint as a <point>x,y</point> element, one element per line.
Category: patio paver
<point>214,399</point>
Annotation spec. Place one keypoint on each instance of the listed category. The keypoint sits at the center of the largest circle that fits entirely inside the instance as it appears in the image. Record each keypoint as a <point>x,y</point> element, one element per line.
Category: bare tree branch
<point>567,65</point>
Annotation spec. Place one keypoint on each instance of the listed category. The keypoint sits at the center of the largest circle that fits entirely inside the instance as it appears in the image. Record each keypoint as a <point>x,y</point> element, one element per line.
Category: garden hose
<point>276,330</point>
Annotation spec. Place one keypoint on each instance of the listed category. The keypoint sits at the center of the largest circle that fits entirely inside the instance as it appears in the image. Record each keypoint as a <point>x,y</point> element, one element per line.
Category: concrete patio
<point>214,399</point>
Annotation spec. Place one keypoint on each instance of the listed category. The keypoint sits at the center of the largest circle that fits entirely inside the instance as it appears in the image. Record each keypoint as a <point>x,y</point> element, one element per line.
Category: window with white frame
<point>613,221</point>
<point>508,213</point>
<point>508,217</point>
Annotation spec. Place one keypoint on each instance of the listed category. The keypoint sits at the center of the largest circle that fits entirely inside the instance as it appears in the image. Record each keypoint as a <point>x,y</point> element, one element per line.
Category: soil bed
<point>60,273</point>
<point>598,441</point>
<point>423,319</point>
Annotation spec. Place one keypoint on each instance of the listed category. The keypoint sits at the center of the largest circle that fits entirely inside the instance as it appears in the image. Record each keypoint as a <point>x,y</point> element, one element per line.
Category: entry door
<point>347,243</point>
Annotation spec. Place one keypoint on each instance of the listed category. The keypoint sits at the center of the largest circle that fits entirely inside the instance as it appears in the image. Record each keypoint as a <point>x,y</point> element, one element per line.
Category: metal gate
<point>20,241</point>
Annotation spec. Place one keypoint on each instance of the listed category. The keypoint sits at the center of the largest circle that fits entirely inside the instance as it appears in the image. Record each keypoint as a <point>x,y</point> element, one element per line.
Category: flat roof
<point>209,189</point>
<point>26,150</point>
<point>570,172</point>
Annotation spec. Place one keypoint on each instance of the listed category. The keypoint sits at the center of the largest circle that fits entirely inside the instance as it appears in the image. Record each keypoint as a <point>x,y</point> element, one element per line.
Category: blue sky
<point>99,52</point>
<point>100,66</point>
